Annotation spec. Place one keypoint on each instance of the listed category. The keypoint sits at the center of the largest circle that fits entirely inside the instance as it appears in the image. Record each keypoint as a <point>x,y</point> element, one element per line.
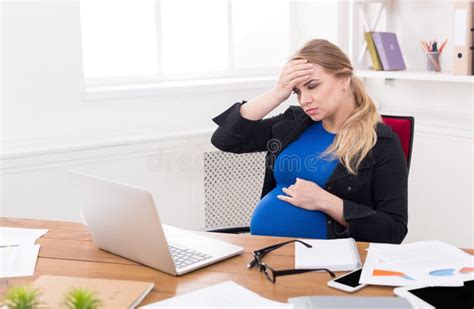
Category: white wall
<point>47,129</point>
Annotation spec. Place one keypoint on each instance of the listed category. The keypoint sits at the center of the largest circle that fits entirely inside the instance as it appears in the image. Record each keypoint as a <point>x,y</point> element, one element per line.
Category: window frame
<point>132,86</point>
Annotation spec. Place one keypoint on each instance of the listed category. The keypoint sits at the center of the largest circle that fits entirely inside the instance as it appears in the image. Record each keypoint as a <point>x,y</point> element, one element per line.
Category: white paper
<point>424,250</point>
<point>222,295</point>
<point>19,236</point>
<point>432,263</point>
<point>334,254</point>
<point>18,261</point>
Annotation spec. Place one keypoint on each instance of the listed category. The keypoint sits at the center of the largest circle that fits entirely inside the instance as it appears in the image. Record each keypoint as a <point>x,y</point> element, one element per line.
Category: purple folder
<point>389,51</point>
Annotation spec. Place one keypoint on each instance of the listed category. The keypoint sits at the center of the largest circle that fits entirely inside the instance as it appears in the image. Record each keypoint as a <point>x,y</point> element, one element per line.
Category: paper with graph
<point>433,263</point>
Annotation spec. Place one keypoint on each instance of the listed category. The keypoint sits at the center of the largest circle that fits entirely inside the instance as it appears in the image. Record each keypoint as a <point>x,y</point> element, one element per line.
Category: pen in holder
<point>432,62</point>
<point>433,54</point>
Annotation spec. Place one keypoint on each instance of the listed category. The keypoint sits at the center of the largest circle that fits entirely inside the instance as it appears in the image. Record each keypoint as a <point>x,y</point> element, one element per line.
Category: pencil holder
<point>432,62</point>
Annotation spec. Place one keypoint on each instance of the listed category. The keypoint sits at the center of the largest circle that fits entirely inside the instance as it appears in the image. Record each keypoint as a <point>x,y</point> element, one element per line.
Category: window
<point>194,36</point>
<point>126,41</point>
<point>118,38</point>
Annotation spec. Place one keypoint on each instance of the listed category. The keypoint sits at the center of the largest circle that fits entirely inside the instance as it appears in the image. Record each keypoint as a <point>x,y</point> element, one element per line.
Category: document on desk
<point>18,252</point>
<point>432,263</point>
<point>222,295</point>
<point>20,236</point>
<point>18,261</point>
<point>334,254</point>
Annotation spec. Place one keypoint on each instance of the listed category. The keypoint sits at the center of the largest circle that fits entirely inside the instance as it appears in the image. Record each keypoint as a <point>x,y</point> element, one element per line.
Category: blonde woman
<point>333,169</point>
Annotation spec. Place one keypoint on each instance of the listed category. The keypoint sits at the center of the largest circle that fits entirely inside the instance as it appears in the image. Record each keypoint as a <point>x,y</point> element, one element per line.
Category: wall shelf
<point>413,75</point>
<point>363,11</point>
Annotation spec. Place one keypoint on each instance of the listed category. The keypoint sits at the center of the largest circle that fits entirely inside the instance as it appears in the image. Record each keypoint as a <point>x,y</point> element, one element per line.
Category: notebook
<point>389,51</point>
<point>333,254</point>
<point>112,293</point>
<point>376,64</point>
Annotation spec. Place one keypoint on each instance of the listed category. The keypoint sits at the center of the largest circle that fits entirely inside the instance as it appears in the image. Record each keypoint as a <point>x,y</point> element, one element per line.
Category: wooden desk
<point>67,249</point>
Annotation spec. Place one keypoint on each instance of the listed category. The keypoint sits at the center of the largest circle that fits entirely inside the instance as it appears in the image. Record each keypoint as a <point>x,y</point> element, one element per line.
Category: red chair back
<point>404,126</point>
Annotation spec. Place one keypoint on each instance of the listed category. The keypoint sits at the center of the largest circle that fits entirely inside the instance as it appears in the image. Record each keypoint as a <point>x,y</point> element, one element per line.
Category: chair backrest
<point>404,126</point>
<point>232,187</point>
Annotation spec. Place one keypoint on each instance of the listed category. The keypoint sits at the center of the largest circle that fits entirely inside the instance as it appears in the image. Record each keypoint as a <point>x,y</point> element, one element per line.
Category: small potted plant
<point>22,297</point>
<point>79,298</point>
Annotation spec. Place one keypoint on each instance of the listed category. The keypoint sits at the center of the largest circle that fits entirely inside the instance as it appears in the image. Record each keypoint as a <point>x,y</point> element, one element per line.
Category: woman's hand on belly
<point>308,195</point>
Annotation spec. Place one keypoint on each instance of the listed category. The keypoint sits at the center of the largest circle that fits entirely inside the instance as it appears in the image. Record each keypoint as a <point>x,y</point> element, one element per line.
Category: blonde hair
<point>357,136</point>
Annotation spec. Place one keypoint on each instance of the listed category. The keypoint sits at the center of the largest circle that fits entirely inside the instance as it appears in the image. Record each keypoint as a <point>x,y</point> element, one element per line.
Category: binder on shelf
<point>389,51</point>
<point>376,64</point>
<point>463,38</point>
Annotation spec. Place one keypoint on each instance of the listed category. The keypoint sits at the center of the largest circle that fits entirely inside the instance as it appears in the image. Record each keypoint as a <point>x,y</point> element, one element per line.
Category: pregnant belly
<point>274,217</point>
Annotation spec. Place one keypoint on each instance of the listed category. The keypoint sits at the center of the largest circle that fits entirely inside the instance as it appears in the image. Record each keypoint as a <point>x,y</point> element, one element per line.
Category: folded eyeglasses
<point>270,273</point>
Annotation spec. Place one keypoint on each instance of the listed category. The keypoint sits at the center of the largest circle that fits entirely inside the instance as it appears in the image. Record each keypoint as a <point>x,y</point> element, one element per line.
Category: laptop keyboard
<point>185,257</point>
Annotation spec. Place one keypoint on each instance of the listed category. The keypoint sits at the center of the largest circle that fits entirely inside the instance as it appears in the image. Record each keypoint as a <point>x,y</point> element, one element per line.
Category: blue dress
<point>302,159</point>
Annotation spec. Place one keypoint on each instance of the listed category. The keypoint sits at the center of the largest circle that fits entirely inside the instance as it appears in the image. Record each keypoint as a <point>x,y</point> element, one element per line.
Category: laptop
<point>124,220</point>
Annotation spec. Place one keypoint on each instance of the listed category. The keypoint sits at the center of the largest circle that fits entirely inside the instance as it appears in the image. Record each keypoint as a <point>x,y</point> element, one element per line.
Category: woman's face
<point>322,94</point>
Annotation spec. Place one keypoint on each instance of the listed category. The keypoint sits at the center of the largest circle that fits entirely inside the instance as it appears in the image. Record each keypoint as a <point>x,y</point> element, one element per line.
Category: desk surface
<point>67,250</point>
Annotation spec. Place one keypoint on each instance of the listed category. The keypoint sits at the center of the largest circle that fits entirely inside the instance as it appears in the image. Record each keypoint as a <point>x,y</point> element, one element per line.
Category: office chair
<point>403,126</point>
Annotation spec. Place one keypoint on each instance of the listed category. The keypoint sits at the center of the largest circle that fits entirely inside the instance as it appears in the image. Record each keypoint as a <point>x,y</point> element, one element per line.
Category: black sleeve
<point>240,135</point>
<point>386,223</point>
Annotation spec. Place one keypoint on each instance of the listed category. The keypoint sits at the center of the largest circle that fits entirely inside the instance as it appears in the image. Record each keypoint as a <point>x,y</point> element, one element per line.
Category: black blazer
<point>375,200</point>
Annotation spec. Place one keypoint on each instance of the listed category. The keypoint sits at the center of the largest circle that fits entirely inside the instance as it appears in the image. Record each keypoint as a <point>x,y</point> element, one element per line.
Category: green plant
<point>22,297</point>
<point>79,298</point>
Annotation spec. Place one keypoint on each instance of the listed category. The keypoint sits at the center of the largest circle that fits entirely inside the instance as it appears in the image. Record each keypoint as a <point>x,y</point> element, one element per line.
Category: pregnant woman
<point>333,169</point>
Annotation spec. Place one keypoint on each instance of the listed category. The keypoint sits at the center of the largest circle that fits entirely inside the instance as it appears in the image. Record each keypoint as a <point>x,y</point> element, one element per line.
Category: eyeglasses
<point>270,273</point>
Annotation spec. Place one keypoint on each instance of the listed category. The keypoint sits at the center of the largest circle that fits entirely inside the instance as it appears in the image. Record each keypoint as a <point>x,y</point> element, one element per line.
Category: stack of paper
<point>222,295</point>
<point>18,252</point>
<point>433,263</point>
<point>334,254</point>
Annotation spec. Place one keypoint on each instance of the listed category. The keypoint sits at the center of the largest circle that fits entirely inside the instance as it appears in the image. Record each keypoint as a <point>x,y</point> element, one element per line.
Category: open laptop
<point>124,220</point>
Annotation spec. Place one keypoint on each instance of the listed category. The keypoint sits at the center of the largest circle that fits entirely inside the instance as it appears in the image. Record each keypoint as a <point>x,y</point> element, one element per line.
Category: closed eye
<point>311,86</point>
